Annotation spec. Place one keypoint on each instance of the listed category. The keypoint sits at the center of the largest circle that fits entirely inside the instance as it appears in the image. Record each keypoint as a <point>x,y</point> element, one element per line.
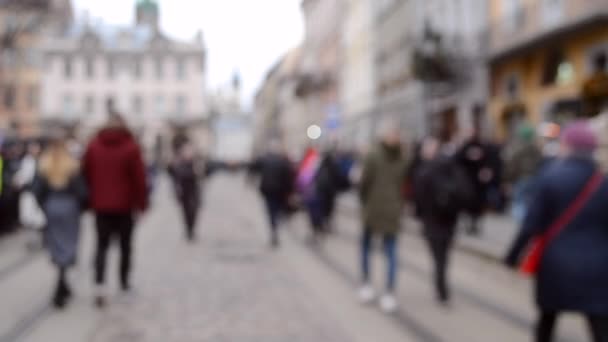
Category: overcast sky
<point>245,35</point>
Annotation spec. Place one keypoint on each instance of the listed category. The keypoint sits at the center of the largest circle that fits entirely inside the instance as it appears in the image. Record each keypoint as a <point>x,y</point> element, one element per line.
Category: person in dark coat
<point>329,181</point>
<point>61,192</point>
<point>187,174</point>
<point>474,158</point>
<point>116,177</point>
<point>573,270</point>
<point>276,179</point>
<point>441,192</point>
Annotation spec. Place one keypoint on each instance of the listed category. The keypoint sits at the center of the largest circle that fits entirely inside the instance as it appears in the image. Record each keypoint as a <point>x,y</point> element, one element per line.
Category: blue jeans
<point>390,252</point>
<point>523,192</point>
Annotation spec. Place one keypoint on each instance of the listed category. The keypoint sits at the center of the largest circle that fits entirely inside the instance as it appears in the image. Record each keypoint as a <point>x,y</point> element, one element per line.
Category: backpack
<point>449,189</point>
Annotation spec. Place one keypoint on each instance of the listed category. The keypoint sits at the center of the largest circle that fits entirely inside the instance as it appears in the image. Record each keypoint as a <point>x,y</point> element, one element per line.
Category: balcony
<point>540,22</point>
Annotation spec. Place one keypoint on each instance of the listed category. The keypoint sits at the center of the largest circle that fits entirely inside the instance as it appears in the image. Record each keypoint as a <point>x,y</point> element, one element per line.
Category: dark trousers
<point>109,227</point>
<point>598,326</point>
<point>190,208</point>
<point>390,252</point>
<point>440,250</point>
<point>274,207</point>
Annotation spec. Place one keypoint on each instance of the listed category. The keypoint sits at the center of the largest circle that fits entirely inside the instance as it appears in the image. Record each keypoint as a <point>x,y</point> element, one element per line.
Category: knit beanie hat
<point>579,136</point>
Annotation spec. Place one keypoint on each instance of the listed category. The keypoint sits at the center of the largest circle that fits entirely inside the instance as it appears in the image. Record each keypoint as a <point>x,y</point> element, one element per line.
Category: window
<point>600,61</point>
<point>110,103</point>
<point>552,12</point>
<point>137,69</point>
<point>111,68</point>
<point>9,97</point>
<point>180,69</point>
<point>89,104</point>
<point>558,70</point>
<point>160,105</point>
<point>159,68</point>
<point>89,68</point>
<point>68,104</point>
<point>67,68</point>
<point>514,14</point>
<point>32,97</point>
<point>512,86</point>
<point>180,105</point>
<point>137,105</point>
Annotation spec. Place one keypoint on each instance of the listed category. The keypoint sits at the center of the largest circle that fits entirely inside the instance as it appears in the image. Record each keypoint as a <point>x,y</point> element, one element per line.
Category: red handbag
<point>532,260</point>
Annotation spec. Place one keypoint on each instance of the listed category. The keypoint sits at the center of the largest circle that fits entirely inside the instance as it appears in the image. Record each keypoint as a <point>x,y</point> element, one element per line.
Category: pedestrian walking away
<point>473,156</point>
<point>62,195</point>
<point>441,192</point>
<point>380,191</point>
<point>329,181</point>
<point>276,182</point>
<point>116,178</point>
<point>523,161</point>
<point>568,213</point>
<point>187,173</point>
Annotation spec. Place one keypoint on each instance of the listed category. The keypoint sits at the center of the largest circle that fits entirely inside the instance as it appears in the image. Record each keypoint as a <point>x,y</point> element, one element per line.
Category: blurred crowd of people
<point>540,174</point>
<point>554,185</point>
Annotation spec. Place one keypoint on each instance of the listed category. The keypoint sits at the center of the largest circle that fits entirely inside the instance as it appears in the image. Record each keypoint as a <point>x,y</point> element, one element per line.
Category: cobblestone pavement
<point>227,287</point>
<point>230,286</point>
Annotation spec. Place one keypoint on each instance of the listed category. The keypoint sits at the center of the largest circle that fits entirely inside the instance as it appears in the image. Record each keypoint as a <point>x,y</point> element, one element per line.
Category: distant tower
<point>147,13</point>
<point>236,81</point>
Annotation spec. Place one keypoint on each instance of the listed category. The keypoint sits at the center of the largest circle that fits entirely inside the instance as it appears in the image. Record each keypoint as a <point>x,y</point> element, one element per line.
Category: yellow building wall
<point>530,67</point>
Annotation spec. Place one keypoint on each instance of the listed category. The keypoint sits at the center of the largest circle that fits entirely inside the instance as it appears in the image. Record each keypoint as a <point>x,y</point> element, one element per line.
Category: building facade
<point>357,94</point>
<point>318,72</point>
<point>21,62</point>
<point>542,54</point>
<point>138,71</point>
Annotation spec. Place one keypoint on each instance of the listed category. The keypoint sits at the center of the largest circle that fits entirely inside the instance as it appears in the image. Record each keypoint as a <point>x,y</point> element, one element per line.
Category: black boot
<point>63,292</point>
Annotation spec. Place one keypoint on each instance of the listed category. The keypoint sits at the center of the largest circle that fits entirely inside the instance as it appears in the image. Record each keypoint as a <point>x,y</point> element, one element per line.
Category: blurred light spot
<point>314,132</point>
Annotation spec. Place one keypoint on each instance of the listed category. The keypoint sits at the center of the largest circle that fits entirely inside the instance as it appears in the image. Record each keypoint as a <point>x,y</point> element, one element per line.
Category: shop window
<point>600,61</point>
<point>557,69</point>
<point>512,87</point>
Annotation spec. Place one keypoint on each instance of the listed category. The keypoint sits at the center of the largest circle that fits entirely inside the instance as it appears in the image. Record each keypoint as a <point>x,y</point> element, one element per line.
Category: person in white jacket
<point>27,170</point>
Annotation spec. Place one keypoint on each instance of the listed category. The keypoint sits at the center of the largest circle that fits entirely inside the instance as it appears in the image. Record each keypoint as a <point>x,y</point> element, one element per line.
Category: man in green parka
<point>382,200</point>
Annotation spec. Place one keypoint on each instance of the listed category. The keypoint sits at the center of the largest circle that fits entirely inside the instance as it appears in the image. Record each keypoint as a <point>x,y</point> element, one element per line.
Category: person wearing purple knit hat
<point>578,138</point>
<point>571,276</point>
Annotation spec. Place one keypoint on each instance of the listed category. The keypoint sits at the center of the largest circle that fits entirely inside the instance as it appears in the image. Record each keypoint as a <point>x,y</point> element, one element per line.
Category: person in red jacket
<point>116,177</point>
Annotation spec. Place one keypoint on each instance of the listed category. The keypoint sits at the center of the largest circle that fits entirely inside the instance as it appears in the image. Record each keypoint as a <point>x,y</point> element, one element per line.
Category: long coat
<point>573,273</point>
<point>381,188</point>
<point>62,208</point>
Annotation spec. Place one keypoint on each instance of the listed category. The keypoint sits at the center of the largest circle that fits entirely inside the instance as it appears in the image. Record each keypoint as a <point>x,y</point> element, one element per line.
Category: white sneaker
<point>388,304</point>
<point>366,294</point>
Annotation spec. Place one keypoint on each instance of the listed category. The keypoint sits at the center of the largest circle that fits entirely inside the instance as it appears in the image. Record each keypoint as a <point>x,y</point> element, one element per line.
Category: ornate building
<point>24,25</point>
<point>139,71</point>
